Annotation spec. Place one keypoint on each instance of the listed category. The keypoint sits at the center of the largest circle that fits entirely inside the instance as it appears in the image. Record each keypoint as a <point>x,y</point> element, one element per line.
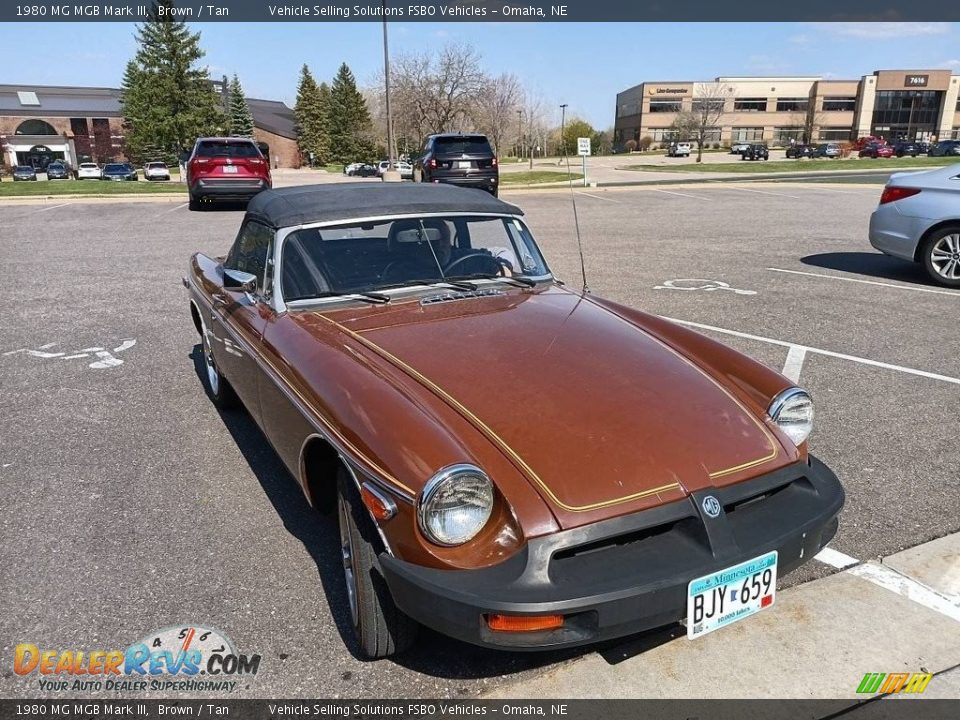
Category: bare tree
<point>496,112</point>
<point>705,112</point>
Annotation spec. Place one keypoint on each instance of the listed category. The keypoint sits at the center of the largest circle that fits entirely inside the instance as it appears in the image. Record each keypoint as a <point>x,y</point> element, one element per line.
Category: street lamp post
<point>390,175</point>
<point>563,118</point>
<point>519,134</point>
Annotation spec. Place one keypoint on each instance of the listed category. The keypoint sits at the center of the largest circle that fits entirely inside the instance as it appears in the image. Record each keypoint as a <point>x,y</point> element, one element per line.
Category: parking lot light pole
<point>563,118</point>
<point>391,174</point>
<point>519,134</point>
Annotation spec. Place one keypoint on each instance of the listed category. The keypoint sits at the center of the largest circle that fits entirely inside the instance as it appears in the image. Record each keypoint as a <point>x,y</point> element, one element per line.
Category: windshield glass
<point>463,145</point>
<point>365,257</point>
<point>114,168</point>
<point>227,148</point>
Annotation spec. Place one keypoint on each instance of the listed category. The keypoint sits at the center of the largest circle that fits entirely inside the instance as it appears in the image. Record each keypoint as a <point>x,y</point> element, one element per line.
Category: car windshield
<point>407,252</point>
<point>88,166</point>
<point>23,168</point>
<point>156,165</point>
<point>114,168</point>
<point>462,145</point>
<point>227,148</point>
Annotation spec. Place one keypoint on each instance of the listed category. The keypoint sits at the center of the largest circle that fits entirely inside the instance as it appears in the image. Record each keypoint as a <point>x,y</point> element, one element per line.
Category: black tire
<point>927,250</point>
<point>380,627</point>
<point>195,202</point>
<point>218,387</point>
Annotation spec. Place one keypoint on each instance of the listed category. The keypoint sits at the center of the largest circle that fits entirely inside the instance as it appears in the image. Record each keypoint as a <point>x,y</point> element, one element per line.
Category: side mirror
<point>239,280</point>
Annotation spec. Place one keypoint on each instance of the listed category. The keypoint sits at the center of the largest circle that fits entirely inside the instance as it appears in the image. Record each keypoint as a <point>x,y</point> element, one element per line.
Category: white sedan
<point>88,171</point>
<point>918,219</point>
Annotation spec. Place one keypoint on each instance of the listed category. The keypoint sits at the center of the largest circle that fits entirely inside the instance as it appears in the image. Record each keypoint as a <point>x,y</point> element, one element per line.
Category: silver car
<point>918,219</point>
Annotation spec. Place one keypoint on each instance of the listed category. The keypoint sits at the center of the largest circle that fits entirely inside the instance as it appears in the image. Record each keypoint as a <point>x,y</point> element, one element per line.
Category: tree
<point>310,118</point>
<point>241,121</point>
<point>348,119</point>
<point>496,111</point>
<point>577,128</point>
<point>705,111</point>
<point>167,99</point>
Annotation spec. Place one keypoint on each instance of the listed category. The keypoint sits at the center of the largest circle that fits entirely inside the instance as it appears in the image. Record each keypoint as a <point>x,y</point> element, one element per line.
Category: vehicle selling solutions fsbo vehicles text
<point>411,11</point>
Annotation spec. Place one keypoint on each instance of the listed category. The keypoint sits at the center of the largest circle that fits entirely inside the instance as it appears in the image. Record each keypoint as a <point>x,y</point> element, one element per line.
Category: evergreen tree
<point>348,119</point>
<point>241,121</point>
<point>310,116</point>
<point>167,99</point>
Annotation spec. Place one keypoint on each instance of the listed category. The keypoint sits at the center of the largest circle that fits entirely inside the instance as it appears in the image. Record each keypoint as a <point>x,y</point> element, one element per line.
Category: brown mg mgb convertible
<point>512,462</point>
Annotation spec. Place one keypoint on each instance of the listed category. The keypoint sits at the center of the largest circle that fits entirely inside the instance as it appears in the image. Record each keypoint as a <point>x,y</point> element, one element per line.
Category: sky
<point>583,65</point>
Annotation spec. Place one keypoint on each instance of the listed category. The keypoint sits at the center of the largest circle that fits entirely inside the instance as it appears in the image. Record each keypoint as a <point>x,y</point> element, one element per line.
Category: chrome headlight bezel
<point>444,481</point>
<point>787,400</point>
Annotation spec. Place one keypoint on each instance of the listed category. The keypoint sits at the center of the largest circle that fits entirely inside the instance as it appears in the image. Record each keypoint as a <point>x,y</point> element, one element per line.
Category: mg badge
<point>711,506</point>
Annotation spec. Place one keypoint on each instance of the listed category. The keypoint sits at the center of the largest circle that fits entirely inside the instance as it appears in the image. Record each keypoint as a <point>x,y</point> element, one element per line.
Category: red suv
<point>226,169</point>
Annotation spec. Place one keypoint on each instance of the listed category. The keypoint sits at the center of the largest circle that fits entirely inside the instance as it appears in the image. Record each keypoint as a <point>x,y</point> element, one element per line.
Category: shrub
<point>630,145</point>
<point>645,142</point>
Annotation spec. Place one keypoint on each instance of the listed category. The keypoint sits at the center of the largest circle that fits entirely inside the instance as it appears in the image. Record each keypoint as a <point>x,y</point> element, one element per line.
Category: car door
<point>246,315</point>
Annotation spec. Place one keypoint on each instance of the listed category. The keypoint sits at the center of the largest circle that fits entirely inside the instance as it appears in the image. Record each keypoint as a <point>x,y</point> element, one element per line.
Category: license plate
<point>230,169</point>
<point>464,164</point>
<point>722,598</point>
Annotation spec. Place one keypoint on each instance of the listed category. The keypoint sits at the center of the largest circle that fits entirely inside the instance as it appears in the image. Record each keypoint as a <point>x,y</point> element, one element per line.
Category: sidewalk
<point>818,641</point>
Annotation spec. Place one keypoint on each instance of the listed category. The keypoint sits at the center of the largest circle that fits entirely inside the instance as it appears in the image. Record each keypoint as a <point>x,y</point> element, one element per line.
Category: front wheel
<point>941,255</point>
<point>221,392</point>
<point>380,627</point>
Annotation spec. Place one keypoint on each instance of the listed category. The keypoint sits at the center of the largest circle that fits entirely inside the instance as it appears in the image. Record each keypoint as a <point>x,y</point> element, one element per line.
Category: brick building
<point>41,123</point>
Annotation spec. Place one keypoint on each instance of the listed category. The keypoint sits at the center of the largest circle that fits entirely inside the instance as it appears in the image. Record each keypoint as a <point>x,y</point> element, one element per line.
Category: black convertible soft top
<point>287,207</point>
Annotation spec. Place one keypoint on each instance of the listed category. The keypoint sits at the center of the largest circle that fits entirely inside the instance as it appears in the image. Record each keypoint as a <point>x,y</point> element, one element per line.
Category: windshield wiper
<point>430,283</point>
<point>374,298</point>
<point>517,280</point>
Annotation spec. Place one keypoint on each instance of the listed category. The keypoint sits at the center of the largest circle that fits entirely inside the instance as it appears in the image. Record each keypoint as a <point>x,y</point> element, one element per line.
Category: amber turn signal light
<point>524,623</point>
<point>379,505</point>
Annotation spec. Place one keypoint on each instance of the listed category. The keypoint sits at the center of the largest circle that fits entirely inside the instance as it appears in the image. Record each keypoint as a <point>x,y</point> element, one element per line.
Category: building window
<point>664,106</point>
<point>36,127</point>
<point>630,108</point>
<point>955,135</point>
<point>661,134</point>
<point>906,114</point>
<point>835,133</point>
<point>710,105</point>
<point>783,135</point>
<point>750,105</point>
<point>746,134</point>
<point>839,104</point>
<point>792,104</point>
<point>711,135</point>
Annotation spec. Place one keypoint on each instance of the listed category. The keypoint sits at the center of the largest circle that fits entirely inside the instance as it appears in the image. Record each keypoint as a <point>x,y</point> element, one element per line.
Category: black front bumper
<point>626,574</point>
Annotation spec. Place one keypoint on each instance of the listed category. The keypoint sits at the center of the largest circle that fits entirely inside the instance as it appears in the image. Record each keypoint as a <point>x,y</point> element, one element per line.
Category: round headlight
<point>792,411</point>
<point>455,505</point>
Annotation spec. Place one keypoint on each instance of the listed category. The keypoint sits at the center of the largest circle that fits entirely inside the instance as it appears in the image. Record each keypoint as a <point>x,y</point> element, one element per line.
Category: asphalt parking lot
<point>131,504</point>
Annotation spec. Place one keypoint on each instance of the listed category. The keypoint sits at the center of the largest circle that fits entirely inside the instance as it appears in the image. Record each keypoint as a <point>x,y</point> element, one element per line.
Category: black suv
<point>755,151</point>
<point>464,159</point>
<point>945,147</point>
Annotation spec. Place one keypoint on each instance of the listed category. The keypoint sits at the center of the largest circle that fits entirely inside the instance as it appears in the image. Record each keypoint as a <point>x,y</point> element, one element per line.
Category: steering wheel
<point>494,263</point>
<point>400,270</point>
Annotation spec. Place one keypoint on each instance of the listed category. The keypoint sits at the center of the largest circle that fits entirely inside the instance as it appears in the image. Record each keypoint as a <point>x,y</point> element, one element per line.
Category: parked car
<point>829,150</point>
<point>351,168</point>
<point>119,171</point>
<point>801,151</point>
<point>226,168</point>
<point>405,169</point>
<point>88,171</point>
<point>868,140</point>
<point>464,159</point>
<point>755,151</point>
<point>876,150</point>
<point>738,148</point>
<point>365,170</point>
<point>383,166</point>
<point>24,172</point>
<point>906,147</point>
<point>678,149</point>
<point>482,516</point>
<point>945,148</point>
<point>918,219</point>
<point>58,170</point>
<point>156,170</point>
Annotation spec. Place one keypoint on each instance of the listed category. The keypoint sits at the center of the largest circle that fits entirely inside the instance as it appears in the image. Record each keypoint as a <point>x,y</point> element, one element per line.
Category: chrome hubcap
<point>213,377</point>
<point>945,256</point>
<point>346,554</point>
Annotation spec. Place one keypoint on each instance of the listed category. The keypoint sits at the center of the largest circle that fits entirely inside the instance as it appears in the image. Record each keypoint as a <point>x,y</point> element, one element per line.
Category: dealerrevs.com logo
<point>183,658</point>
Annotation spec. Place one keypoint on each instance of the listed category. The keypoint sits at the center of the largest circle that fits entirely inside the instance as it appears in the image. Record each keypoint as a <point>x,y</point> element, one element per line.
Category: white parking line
<point>866,282</point>
<point>172,209</point>
<point>764,192</point>
<point>820,351</point>
<point>680,194</point>
<point>889,579</point>
<point>52,207</point>
<point>794,363</point>
<point>835,559</point>
<point>598,197</point>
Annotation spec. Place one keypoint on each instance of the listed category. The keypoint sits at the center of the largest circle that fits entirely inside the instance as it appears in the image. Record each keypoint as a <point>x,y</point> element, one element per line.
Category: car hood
<point>600,417</point>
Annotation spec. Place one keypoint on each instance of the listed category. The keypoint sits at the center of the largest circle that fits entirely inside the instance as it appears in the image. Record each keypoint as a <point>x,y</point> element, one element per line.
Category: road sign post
<point>583,150</point>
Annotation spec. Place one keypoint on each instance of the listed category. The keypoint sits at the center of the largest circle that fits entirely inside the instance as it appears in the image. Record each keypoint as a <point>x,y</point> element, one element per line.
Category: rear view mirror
<point>239,280</point>
<point>415,235</point>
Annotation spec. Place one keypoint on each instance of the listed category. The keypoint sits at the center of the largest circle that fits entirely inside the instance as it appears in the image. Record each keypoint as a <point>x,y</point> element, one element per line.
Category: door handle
<point>219,300</point>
